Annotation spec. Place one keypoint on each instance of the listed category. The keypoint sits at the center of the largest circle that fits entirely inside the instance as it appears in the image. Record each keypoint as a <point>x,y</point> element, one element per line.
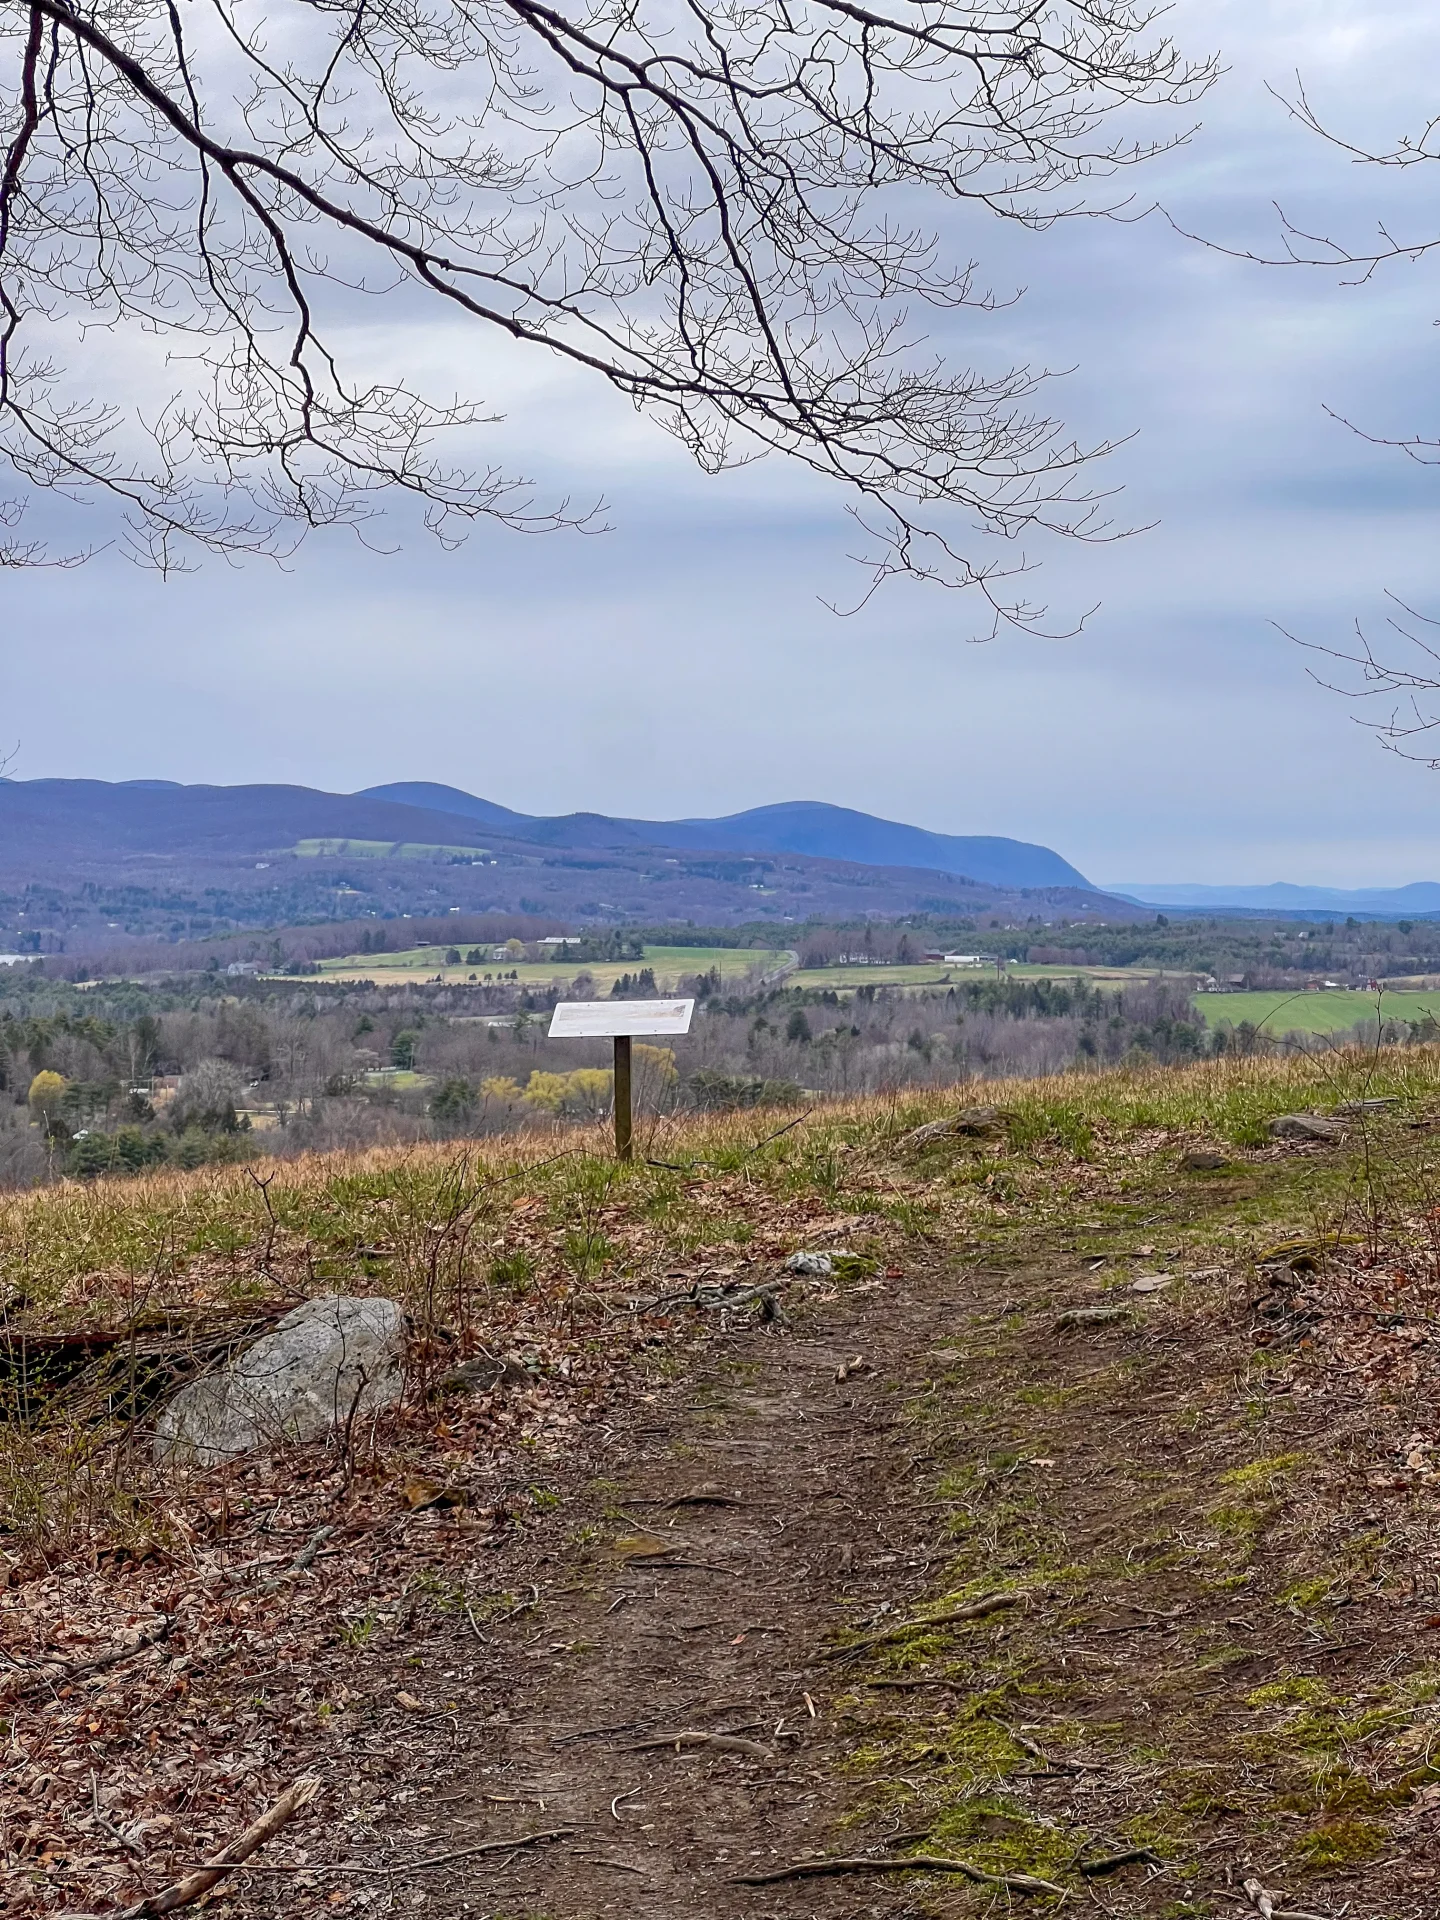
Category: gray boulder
<point>325,1361</point>
<point>1305,1126</point>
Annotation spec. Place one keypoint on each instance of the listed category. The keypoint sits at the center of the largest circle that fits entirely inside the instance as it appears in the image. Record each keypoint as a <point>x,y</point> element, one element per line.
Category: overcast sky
<point>684,663</point>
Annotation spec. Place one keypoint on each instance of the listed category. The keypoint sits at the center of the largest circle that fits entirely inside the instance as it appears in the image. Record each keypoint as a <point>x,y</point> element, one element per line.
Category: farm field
<point>417,964</point>
<point>1336,1012</point>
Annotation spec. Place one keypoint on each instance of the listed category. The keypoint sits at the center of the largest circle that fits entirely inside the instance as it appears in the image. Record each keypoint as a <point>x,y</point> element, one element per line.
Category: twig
<point>485,1846</point>
<point>106,1825</point>
<point>977,1610</point>
<point>727,1742</point>
<point>1113,1862</point>
<point>184,1893</point>
<point>603,1860</point>
<point>914,1863</point>
<point>386,1868</point>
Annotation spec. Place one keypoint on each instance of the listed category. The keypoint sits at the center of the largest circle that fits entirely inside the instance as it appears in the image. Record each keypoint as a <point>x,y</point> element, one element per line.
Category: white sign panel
<point>602,1019</point>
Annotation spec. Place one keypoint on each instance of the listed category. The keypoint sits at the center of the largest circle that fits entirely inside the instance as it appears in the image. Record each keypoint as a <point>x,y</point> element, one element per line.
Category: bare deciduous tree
<point>712,205</point>
<point>1407,681</point>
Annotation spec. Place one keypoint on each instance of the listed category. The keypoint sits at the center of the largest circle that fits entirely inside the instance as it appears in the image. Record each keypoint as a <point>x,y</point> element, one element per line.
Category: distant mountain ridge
<point>1421,897</point>
<point>809,827</point>
<point>90,864</point>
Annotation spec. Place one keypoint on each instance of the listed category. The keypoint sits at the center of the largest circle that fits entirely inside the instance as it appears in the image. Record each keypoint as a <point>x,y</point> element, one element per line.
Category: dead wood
<point>184,1893</point>
<point>387,1869</point>
<point>22,1680</point>
<point>1113,1862</point>
<point>913,1863</point>
<point>977,1610</point>
<point>726,1742</point>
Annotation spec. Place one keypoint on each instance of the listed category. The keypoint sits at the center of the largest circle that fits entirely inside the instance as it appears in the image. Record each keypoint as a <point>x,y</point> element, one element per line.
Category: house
<point>238,967</point>
<point>965,959</point>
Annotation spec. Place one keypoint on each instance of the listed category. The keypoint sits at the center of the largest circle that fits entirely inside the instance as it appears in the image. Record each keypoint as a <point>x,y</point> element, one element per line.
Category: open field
<point>1074,1536</point>
<point>419,964</point>
<point>1334,1012</point>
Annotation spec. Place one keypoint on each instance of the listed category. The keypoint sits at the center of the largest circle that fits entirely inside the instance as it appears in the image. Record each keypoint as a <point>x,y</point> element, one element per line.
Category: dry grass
<point>541,1237</point>
<point>118,1245</point>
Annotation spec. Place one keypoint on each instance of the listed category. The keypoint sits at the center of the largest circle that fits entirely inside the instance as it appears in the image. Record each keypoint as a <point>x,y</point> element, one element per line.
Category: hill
<point>1069,1519</point>
<point>84,858</point>
<point>1419,898</point>
<point>812,827</point>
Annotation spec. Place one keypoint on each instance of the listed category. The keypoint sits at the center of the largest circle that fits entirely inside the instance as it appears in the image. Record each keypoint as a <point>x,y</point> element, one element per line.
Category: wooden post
<point>622,1096</point>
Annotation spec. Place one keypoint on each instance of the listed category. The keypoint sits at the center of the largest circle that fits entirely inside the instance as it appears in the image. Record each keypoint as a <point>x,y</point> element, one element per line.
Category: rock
<point>818,1265</point>
<point>1150,1283</point>
<point>1203,1160</point>
<point>969,1121</point>
<point>484,1372</point>
<point>324,1361</point>
<point>1089,1317</point>
<point>1305,1126</point>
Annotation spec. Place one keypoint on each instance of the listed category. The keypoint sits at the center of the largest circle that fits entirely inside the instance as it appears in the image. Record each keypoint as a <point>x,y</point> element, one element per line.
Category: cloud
<point>684,662</point>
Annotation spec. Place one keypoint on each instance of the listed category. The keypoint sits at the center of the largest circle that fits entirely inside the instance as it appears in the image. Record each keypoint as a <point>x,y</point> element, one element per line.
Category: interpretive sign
<point>602,1019</point>
<point>620,1020</point>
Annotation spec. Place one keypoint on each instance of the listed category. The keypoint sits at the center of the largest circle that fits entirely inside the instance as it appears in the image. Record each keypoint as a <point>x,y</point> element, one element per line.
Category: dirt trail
<point>1210,1675</point>
<point>767,1505</point>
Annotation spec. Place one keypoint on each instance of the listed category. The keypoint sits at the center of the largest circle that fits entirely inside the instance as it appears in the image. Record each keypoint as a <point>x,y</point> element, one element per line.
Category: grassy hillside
<point>1102,1455</point>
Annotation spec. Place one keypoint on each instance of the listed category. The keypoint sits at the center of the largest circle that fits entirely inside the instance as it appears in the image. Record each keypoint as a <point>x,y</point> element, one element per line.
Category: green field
<point>668,963</point>
<point>1327,1012</point>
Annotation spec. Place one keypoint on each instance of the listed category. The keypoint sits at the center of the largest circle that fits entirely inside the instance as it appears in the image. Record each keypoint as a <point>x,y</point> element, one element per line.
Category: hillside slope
<point>1074,1532</point>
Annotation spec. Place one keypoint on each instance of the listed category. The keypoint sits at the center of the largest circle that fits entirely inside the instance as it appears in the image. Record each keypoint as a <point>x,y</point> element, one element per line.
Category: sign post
<point>620,1020</point>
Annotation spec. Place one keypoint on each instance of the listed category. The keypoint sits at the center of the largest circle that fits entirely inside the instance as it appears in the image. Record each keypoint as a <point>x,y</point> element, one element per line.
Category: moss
<point>1343,1842</point>
<point>1308,1593</point>
<point>1263,1473</point>
<point>1295,1688</point>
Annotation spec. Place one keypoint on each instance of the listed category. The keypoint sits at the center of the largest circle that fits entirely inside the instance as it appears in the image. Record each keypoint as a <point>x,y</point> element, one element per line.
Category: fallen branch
<point>977,1610</point>
<point>20,1680</point>
<point>1112,1863</point>
<point>194,1886</point>
<point>914,1863</point>
<point>385,1869</point>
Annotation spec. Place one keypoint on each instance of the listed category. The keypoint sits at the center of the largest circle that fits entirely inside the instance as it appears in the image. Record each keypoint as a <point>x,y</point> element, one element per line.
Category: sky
<point>686,662</point>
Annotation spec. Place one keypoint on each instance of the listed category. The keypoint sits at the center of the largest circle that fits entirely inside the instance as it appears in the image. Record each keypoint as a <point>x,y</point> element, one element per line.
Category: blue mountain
<point>810,827</point>
<point>1420,897</point>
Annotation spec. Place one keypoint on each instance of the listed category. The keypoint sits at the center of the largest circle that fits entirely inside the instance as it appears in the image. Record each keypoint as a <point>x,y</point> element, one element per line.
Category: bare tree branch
<point>707,204</point>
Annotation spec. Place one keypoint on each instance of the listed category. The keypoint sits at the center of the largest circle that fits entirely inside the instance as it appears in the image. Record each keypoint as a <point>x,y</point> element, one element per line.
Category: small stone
<point>1089,1317</point>
<point>1203,1160</point>
<point>816,1265</point>
<point>1305,1126</point>
<point>1150,1283</point>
